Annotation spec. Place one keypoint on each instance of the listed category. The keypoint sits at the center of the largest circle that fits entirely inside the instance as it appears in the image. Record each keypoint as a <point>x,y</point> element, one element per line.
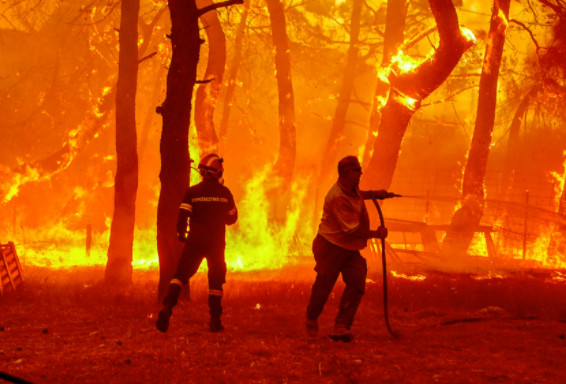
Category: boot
<point>163,317</point>
<point>341,333</point>
<point>215,324</point>
<point>215,305</point>
<point>169,302</point>
<point>312,327</point>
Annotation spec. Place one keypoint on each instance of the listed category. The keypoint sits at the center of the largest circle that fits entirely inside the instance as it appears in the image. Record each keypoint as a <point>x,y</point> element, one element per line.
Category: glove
<point>382,232</point>
<point>382,194</point>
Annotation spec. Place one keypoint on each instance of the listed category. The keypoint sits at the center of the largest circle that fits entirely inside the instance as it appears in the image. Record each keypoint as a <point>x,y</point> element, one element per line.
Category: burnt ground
<point>64,327</point>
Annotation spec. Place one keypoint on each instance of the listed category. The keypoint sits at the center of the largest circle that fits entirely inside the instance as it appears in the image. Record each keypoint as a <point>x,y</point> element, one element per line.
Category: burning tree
<point>407,89</point>
<point>459,236</point>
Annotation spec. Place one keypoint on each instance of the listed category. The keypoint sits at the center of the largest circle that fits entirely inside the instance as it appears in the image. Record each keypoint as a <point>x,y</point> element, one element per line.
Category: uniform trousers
<point>331,261</point>
<point>189,263</point>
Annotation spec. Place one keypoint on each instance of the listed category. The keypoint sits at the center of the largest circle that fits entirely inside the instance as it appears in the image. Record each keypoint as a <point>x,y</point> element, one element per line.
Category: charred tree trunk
<point>393,38</point>
<point>174,146</point>
<point>461,231</point>
<point>119,266</point>
<point>207,92</point>
<point>285,164</point>
<point>408,89</point>
<point>329,157</point>
<point>232,73</point>
<point>176,114</point>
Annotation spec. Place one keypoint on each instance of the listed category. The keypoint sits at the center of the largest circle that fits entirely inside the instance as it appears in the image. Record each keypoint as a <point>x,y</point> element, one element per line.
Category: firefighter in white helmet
<point>206,208</point>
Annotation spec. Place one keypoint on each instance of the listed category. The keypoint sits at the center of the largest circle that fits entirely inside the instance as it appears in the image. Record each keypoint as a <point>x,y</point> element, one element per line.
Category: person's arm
<point>380,194</point>
<point>349,221</point>
<point>232,213</point>
<point>185,210</point>
<point>380,233</point>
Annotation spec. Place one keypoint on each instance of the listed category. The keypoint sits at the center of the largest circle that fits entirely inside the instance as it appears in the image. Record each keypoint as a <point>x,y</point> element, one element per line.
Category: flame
<point>489,276</point>
<point>404,62</point>
<point>468,34</point>
<point>558,276</point>
<point>253,243</point>
<point>558,181</point>
<point>407,277</point>
<point>257,243</point>
<point>10,182</point>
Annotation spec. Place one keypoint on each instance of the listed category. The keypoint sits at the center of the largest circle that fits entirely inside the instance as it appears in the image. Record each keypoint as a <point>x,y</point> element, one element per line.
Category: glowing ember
<point>489,276</point>
<point>407,277</point>
<point>559,276</point>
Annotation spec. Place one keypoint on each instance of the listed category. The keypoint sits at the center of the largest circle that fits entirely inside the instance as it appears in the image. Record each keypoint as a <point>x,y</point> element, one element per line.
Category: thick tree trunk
<point>174,146</point>
<point>408,89</point>
<point>329,157</point>
<point>461,231</point>
<point>392,40</point>
<point>207,93</point>
<point>287,136</point>
<point>232,73</point>
<point>119,266</point>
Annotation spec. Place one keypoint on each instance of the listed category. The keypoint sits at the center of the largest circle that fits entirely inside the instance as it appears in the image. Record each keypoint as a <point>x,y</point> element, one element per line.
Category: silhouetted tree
<point>407,89</point>
<point>329,160</point>
<point>208,91</point>
<point>176,114</point>
<point>119,266</point>
<point>232,72</point>
<point>287,136</point>
<point>459,235</point>
<point>395,17</point>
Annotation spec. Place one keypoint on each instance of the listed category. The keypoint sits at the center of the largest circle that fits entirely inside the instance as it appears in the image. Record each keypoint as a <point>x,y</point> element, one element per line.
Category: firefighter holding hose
<point>342,233</point>
<point>207,208</point>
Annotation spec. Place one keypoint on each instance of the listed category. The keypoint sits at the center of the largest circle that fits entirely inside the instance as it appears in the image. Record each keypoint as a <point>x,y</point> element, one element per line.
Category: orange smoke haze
<point>58,69</point>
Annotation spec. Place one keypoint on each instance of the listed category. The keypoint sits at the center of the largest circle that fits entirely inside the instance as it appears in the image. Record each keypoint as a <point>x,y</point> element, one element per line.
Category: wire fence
<point>522,212</point>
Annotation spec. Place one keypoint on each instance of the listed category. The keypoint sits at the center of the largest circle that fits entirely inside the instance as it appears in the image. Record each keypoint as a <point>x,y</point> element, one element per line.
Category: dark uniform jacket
<point>208,207</point>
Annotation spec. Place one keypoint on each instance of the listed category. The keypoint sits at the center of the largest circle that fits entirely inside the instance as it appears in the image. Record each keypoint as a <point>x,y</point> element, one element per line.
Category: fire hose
<point>384,264</point>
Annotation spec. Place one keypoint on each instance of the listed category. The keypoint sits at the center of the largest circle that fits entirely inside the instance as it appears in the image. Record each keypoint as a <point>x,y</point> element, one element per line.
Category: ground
<point>63,326</point>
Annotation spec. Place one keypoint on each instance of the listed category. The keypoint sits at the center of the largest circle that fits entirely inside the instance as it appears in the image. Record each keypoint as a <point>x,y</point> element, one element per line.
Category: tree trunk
<point>207,93</point>
<point>119,266</point>
<point>287,136</point>
<point>556,252</point>
<point>461,231</point>
<point>232,72</point>
<point>393,38</point>
<point>408,89</point>
<point>174,146</point>
<point>329,157</point>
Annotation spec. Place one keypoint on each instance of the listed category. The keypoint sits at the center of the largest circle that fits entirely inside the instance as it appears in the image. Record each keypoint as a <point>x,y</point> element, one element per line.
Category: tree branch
<point>214,6</point>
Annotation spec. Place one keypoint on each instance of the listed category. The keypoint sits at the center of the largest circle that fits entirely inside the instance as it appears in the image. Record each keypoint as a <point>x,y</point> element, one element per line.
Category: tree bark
<point>207,93</point>
<point>232,73</point>
<point>329,157</point>
<point>287,136</point>
<point>460,234</point>
<point>396,15</point>
<point>174,145</point>
<point>408,89</point>
<point>119,266</point>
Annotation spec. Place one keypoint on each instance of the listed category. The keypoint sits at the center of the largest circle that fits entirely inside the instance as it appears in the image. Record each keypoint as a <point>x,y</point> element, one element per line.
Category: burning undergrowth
<point>63,326</point>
